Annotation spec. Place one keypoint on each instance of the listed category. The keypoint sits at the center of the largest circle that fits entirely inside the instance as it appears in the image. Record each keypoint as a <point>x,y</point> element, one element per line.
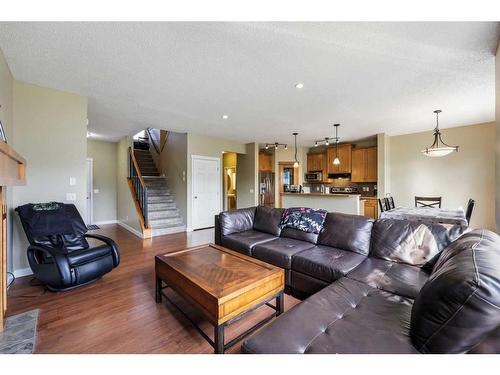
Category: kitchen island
<point>344,203</point>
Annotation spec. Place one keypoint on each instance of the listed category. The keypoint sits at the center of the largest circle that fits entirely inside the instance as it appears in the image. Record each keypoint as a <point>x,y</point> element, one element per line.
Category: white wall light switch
<point>71,197</point>
<point>251,191</point>
<point>72,181</point>
<point>96,191</point>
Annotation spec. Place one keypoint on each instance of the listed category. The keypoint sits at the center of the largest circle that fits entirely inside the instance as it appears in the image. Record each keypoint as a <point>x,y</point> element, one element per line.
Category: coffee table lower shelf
<point>218,342</point>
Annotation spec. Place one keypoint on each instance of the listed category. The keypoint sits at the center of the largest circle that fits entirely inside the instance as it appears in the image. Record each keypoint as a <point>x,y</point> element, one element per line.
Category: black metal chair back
<point>470,208</point>
<point>389,203</point>
<point>430,202</point>
<point>382,204</point>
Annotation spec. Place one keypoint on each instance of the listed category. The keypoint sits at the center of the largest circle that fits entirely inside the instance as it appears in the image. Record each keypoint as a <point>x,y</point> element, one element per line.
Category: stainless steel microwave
<point>314,177</point>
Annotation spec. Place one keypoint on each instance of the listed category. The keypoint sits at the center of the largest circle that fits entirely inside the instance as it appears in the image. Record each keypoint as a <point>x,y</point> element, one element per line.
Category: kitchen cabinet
<point>364,165</point>
<point>316,162</point>
<point>344,155</point>
<point>370,208</point>
<point>265,162</point>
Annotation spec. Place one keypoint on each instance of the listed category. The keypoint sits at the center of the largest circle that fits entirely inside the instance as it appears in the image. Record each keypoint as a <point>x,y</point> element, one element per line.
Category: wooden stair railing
<point>136,182</point>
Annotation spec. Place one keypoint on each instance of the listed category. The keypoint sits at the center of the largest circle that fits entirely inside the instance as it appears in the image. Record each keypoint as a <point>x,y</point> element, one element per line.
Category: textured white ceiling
<point>370,77</point>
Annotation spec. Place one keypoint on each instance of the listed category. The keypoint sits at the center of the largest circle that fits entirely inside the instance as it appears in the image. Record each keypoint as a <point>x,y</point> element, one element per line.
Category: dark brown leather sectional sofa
<point>385,286</point>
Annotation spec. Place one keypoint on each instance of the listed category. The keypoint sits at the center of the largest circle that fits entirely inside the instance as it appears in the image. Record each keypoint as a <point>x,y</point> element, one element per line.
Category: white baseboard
<point>105,222</point>
<point>23,272</point>
<point>189,229</point>
<point>129,228</point>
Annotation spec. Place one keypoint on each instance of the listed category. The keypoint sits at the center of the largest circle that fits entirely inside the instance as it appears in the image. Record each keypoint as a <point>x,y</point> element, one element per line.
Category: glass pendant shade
<point>438,147</point>
<point>336,161</point>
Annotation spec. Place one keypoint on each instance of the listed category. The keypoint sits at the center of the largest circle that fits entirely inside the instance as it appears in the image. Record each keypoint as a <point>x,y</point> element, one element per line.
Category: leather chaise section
<point>244,242</point>
<point>280,251</point>
<point>326,263</point>
<point>400,279</point>
<point>345,317</point>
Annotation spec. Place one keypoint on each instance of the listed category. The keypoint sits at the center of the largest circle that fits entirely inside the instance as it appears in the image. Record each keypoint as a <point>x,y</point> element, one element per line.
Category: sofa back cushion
<point>299,235</point>
<point>459,306</point>
<point>267,220</point>
<point>347,232</point>
<point>237,220</point>
<point>412,242</point>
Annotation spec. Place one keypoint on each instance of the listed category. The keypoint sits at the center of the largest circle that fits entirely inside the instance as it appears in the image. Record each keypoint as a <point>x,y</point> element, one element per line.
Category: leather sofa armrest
<point>60,260</point>
<point>218,238</point>
<point>108,241</point>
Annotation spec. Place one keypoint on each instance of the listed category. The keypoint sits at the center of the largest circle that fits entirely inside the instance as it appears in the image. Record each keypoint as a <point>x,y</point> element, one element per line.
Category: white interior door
<point>206,191</point>
<point>90,195</point>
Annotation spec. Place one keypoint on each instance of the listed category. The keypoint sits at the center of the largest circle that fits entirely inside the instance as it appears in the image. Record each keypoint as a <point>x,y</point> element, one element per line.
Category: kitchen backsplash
<point>367,188</point>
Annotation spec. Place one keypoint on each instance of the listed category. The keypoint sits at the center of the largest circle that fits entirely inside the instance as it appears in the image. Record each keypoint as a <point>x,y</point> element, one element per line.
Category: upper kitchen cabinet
<point>265,162</point>
<point>344,155</point>
<point>364,165</point>
<point>316,162</point>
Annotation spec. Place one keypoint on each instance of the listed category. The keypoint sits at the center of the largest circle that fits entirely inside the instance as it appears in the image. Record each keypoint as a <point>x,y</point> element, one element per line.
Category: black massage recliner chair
<point>59,254</point>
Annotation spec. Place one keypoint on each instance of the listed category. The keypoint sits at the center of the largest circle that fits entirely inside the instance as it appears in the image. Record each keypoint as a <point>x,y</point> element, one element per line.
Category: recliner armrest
<point>108,241</point>
<point>60,259</point>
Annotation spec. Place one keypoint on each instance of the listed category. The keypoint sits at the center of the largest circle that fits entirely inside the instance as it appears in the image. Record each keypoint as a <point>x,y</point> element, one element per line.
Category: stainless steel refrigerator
<point>266,189</point>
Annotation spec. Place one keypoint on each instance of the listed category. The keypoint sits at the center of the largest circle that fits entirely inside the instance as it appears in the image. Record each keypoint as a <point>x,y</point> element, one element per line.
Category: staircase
<point>162,213</point>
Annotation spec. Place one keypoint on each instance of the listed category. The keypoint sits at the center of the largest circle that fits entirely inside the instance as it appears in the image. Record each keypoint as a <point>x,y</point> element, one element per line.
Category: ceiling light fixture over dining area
<point>438,148</point>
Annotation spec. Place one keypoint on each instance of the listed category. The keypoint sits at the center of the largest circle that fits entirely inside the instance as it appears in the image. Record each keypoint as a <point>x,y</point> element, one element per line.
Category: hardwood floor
<point>118,313</point>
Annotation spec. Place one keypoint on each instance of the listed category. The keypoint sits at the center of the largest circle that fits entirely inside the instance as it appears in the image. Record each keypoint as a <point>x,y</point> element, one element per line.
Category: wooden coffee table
<point>221,284</point>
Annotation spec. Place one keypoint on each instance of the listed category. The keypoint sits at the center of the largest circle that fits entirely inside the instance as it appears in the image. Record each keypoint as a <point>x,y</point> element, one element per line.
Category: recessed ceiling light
<point>299,85</point>
<point>225,117</point>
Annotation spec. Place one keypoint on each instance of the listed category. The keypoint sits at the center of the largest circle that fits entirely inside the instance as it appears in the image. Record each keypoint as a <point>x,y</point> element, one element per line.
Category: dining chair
<point>429,202</point>
<point>389,202</point>
<point>382,204</point>
<point>470,208</point>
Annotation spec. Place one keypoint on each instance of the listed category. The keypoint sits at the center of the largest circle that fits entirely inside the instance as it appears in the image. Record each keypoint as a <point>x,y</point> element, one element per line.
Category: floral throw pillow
<point>304,219</point>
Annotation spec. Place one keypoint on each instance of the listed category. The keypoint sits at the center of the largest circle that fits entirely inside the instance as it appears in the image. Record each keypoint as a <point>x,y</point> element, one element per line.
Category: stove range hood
<point>339,176</point>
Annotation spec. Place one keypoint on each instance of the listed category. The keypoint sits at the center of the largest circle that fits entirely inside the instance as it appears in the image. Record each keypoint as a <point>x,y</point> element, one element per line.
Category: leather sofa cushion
<point>411,242</point>
<point>348,232</point>
<point>345,317</point>
<point>401,279</point>
<point>299,235</point>
<point>280,251</point>
<point>244,242</point>
<point>236,221</point>
<point>267,220</point>
<point>459,306</point>
<point>79,257</point>
<point>326,263</point>
<point>304,285</point>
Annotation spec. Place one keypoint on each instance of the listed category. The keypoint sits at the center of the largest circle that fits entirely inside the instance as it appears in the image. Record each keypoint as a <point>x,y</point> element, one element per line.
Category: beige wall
<point>105,178</point>
<point>470,173</point>
<point>6,111</point>
<point>125,207</point>
<point>497,146</point>
<point>212,147</point>
<point>383,165</point>
<point>173,163</point>
<point>50,132</point>
<point>247,177</point>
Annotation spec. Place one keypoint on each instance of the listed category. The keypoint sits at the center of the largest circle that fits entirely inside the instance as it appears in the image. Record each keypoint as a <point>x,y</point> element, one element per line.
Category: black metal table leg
<point>158,290</point>
<point>219,339</point>
<point>280,304</point>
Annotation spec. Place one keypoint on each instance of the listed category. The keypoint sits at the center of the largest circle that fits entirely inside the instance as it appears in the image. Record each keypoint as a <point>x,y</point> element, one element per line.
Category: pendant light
<point>296,162</point>
<point>438,147</point>
<point>336,161</point>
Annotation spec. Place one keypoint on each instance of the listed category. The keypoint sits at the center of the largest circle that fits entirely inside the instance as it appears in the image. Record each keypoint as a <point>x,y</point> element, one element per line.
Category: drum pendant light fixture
<point>438,147</point>
<point>296,161</point>
<point>336,161</point>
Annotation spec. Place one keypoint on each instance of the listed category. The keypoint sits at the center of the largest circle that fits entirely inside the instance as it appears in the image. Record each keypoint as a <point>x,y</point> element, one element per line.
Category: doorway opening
<point>288,177</point>
<point>229,162</point>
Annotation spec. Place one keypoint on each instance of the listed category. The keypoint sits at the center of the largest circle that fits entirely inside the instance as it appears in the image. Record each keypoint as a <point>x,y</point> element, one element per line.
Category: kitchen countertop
<point>324,194</point>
